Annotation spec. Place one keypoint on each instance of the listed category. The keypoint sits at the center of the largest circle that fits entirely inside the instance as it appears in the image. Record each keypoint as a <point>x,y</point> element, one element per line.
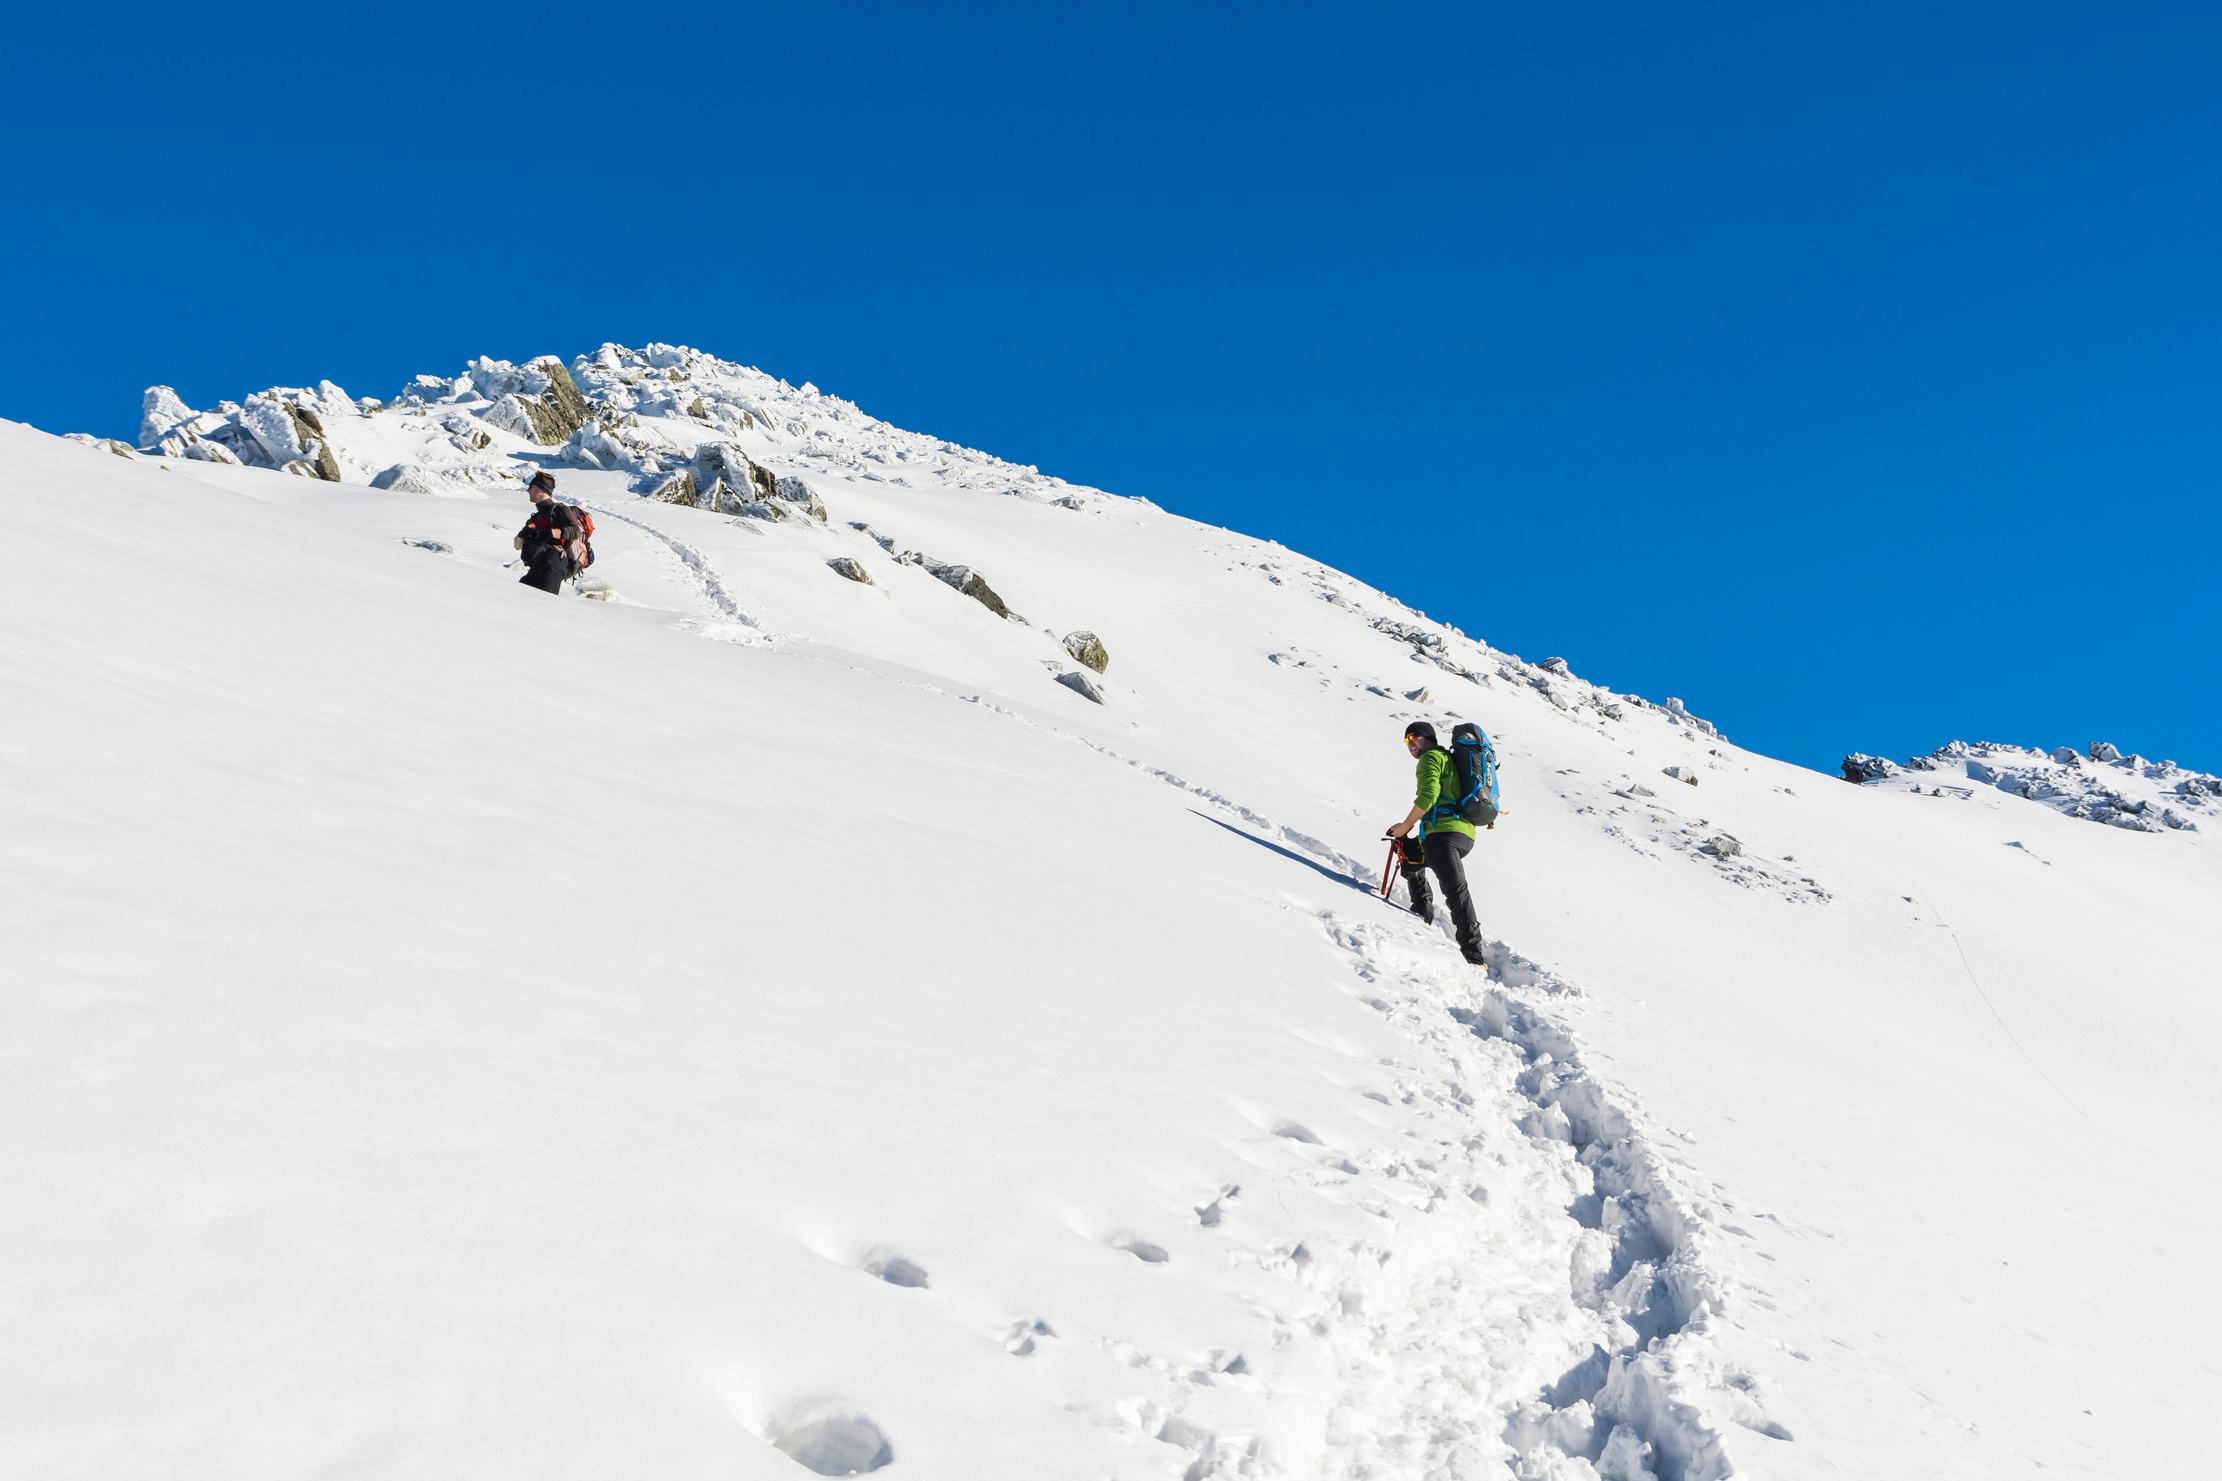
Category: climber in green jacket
<point>1445,840</point>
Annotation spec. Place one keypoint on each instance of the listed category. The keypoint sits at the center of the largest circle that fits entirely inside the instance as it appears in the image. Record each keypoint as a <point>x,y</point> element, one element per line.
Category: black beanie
<point>1421,727</point>
<point>542,480</point>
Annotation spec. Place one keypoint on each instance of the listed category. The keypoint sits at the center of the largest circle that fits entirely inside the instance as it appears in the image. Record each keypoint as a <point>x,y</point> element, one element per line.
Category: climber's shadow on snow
<point>1312,864</point>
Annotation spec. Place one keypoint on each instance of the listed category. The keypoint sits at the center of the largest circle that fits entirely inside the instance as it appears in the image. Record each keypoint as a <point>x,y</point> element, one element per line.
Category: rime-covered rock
<point>797,492</point>
<point>851,567</point>
<point>2104,751</point>
<point>161,412</point>
<point>1684,773</point>
<point>1859,767</point>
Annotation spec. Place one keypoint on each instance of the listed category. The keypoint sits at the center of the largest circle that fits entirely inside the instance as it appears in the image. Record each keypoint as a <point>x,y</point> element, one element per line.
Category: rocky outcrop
<point>2104,751</point>
<point>849,566</point>
<point>1554,666</point>
<point>286,434</point>
<point>1080,684</point>
<point>1686,774</point>
<point>1087,648</point>
<point>537,400</point>
<point>1858,767</point>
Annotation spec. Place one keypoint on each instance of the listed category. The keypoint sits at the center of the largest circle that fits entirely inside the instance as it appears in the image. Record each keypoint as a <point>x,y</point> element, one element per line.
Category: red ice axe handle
<point>1388,870</point>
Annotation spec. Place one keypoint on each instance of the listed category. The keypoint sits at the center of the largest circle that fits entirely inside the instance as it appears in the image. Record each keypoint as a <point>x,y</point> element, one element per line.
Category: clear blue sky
<point>1847,371</point>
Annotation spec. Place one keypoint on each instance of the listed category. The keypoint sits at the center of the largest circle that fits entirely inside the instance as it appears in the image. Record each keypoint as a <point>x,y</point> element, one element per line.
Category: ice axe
<point>1388,870</point>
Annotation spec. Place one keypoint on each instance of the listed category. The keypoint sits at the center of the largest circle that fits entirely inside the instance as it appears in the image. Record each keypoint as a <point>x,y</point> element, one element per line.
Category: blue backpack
<point>1474,763</point>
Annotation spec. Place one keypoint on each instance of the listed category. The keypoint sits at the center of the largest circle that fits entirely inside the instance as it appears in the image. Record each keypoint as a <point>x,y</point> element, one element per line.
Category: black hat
<point>1420,727</point>
<point>542,480</point>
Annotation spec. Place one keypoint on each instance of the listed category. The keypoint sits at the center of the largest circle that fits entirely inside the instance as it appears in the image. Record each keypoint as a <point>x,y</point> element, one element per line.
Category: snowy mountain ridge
<point>971,1051</point>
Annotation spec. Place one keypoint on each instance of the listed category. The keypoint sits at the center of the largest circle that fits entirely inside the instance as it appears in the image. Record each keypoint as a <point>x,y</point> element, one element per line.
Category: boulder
<point>1080,684</point>
<point>1087,648</point>
<point>1684,773</point>
<point>2067,756</point>
<point>1612,711</point>
<point>968,581</point>
<point>1863,768</point>
<point>1723,847</point>
<point>205,451</point>
<point>850,567</point>
<point>677,488</point>
<point>1554,666</point>
<point>2104,751</point>
<point>1417,696</point>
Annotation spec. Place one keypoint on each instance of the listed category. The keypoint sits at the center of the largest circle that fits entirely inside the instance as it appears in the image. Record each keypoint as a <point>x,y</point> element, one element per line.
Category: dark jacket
<point>551,524</point>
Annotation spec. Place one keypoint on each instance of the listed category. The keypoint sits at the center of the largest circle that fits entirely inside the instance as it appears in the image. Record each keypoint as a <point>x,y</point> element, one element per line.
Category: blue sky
<point>1849,372</point>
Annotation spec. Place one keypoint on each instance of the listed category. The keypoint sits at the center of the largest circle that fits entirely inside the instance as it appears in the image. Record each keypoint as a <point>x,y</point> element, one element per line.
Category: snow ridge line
<point>701,575</point>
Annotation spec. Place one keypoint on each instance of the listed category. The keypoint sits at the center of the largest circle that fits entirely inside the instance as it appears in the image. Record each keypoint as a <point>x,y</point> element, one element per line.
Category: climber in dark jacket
<point>550,539</point>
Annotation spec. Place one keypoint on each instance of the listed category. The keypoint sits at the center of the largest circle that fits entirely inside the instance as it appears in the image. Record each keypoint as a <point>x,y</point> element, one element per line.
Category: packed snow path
<point>467,1032</point>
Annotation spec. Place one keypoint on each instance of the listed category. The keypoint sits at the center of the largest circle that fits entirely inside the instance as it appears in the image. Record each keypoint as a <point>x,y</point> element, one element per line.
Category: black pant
<point>1445,853</point>
<point>547,567</point>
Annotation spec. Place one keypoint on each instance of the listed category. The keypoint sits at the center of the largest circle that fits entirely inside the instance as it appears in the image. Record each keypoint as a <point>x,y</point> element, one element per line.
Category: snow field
<point>918,1004</point>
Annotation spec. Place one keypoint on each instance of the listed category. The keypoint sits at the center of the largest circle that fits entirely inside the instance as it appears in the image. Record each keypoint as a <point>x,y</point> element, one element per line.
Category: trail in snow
<point>694,566</point>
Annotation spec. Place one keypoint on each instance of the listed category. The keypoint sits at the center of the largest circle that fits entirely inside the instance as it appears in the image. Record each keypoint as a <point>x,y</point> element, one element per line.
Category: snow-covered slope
<point>763,1020</point>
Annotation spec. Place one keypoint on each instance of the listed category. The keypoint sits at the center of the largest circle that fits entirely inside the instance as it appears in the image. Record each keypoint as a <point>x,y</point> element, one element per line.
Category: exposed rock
<point>1417,696</point>
<point>1612,711</point>
<point>697,410</point>
<point>678,488</point>
<point>1722,847</point>
<point>537,400</point>
<point>201,450</point>
<point>1862,768</point>
<point>882,541</point>
<point>1070,501</point>
<point>1634,789</point>
<point>2104,751</point>
<point>1080,684</point>
<point>850,567</point>
<point>968,581</point>
<point>1554,666</point>
<point>2067,756</point>
<point>1682,773</point>
<point>1087,648</point>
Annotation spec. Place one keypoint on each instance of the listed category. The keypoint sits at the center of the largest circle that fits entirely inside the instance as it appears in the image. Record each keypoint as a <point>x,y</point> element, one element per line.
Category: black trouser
<point>547,567</point>
<point>1444,853</point>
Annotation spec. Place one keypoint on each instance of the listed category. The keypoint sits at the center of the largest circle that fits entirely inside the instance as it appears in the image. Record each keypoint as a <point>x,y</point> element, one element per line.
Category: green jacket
<point>1437,777</point>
